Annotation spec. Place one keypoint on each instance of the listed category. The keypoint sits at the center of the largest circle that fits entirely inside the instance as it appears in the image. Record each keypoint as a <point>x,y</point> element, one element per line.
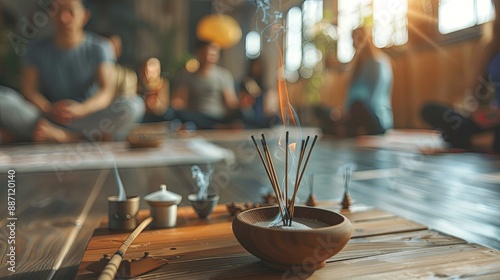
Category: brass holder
<point>311,200</point>
<point>129,268</point>
<point>346,201</point>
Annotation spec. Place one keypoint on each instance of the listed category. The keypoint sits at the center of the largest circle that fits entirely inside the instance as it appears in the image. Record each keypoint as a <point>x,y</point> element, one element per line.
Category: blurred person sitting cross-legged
<point>479,112</point>
<point>259,103</point>
<point>368,108</point>
<point>69,82</point>
<point>206,97</point>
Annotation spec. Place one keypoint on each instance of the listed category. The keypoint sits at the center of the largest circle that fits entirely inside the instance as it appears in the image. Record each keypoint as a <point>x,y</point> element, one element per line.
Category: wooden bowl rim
<point>341,224</point>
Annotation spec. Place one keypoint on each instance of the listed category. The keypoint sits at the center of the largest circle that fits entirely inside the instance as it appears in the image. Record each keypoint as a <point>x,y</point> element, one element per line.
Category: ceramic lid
<point>163,196</point>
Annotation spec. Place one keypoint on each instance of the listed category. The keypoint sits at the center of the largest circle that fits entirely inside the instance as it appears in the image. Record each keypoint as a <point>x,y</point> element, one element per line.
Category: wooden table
<point>383,246</point>
<point>61,192</point>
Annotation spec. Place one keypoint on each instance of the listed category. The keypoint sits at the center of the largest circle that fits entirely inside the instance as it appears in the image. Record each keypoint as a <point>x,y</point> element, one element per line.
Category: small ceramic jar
<point>163,207</point>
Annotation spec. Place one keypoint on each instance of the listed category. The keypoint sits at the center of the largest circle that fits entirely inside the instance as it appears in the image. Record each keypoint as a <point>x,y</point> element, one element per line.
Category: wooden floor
<point>457,194</point>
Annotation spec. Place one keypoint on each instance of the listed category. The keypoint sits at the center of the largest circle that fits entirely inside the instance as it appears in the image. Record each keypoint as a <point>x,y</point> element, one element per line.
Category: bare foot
<point>46,132</point>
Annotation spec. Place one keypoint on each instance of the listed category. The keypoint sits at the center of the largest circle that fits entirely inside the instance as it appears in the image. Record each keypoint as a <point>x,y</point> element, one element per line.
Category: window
<point>390,23</point>
<point>454,15</point>
<point>351,13</point>
<point>293,46</point>
<point>252,44</point>
<point>300,54</point>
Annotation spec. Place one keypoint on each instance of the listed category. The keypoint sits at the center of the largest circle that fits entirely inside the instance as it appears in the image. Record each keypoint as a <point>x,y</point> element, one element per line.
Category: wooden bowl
<point>284,249</point>
<point>144,140</point>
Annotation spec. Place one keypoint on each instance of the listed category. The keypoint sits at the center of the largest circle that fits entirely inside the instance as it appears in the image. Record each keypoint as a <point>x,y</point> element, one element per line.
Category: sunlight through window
<point>313,13</point>
<point>252,44</point>
<point>293,48</point>
<point>454,15</point>
<point>390,23</point>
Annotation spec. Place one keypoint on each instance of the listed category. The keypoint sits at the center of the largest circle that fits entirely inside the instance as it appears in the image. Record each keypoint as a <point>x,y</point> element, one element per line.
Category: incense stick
<point>307,159</point>
<point>261,157</point>
<point>267,162</point>
<point>273,170</point>
<point>286,172</point>
<point>297,178</point>
<point>274,178</point>
<point>303,170</point>
<point>267,168</point>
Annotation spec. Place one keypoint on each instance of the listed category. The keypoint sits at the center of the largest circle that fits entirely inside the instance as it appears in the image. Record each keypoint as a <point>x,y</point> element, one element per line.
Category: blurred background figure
<point>206,96</point>
<point>368,108</point>
<point>479,111</point>
<point>155,90</point>
<point>258,103</point>
<point>126,78</point>
<point>69,77</point>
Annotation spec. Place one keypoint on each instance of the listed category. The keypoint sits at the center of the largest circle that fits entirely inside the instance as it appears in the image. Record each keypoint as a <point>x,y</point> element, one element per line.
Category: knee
<point>9,96</point>
<point>129,109</point>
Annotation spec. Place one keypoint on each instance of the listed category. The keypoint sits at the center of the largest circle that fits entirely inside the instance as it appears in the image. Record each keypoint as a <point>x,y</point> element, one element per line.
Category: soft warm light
<point>388,19</point>
<point>311,55</point>
<point>390,22</point>
<point>252,44</point>
<point>313,13</point>
<point>460,14</point>
<point>293,48</point>
<point>221,29</point>
<point>192,65</point>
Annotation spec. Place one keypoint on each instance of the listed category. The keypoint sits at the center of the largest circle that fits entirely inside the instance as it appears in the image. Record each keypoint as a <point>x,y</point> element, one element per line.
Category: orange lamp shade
<point>221,29</point>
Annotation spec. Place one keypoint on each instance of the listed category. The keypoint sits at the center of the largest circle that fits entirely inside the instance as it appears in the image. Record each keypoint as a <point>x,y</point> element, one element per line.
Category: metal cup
<point>203,207</point>
<point>122,215</point>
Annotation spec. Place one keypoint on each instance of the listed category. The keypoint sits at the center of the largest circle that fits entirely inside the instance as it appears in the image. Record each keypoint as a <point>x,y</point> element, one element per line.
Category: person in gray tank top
<point>207,96</point>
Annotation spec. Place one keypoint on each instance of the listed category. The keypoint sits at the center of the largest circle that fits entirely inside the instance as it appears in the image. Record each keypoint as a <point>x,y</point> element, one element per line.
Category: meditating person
<point>206,97</point>
<point>259,104</point>
<point>368,108</point>
<point>479,112</point>
<point>70,78</point>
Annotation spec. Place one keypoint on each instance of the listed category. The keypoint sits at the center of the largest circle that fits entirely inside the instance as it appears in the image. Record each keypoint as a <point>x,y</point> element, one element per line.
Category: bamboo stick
<point>111,268</point>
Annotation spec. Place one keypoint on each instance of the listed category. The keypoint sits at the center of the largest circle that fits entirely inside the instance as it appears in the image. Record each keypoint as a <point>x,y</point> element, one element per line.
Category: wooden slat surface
<point>382,245</point>
<point>455,261</point>
<point>48,227</point>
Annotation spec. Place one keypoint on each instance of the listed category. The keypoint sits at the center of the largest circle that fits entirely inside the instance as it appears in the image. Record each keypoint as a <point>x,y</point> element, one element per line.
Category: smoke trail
<point>268,20</point>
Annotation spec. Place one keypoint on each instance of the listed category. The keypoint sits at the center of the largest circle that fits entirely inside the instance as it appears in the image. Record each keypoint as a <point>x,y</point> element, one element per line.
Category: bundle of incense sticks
<point>286,206</point>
